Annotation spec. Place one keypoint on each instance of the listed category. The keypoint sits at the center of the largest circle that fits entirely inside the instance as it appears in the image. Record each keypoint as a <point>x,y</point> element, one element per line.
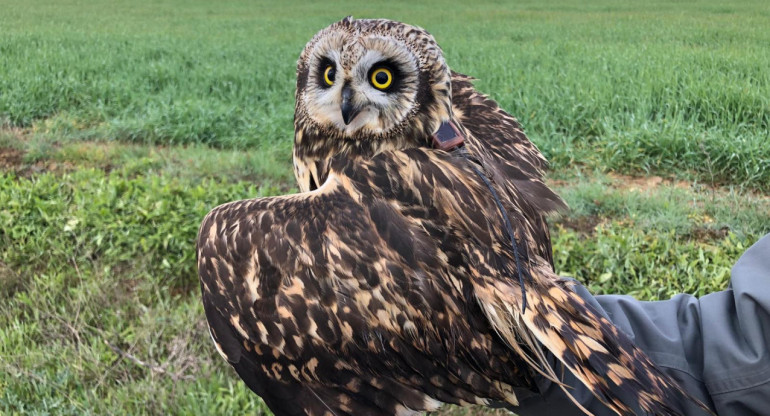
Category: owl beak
<point>349,111</point>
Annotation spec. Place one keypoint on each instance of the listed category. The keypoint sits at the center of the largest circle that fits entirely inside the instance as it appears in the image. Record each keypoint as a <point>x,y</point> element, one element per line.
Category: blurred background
<point>123,122</point>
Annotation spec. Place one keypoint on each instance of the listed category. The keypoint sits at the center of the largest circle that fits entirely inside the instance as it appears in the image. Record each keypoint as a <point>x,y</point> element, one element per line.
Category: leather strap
<point>448,137</point>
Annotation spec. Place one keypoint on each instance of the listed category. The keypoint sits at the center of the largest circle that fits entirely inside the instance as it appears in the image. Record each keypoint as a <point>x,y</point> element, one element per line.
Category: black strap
<point>508,227</point>
<point>450,139</point>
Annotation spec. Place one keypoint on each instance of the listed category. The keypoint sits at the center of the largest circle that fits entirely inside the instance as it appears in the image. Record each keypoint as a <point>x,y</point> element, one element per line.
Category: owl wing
<point>284,281</point>
<point>391,289</point>
<point>513,162</point>
<point>337,301</point>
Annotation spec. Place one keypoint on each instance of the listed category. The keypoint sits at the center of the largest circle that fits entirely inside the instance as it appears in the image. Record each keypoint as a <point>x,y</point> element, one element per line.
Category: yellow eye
<point>381,78</point>
<point>329,73</point>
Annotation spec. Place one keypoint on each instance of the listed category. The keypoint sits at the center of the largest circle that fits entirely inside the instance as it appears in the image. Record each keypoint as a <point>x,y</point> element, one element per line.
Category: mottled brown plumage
<point>389,286</point>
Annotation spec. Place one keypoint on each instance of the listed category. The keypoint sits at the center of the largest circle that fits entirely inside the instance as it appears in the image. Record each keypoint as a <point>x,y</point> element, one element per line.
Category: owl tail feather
<point>618,373</point>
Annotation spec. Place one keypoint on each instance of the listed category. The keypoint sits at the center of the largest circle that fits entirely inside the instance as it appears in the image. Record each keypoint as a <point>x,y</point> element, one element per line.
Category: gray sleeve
<point>717,347</point>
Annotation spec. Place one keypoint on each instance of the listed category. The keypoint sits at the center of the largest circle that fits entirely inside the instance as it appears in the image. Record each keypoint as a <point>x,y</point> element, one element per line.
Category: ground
<point>122,123</point>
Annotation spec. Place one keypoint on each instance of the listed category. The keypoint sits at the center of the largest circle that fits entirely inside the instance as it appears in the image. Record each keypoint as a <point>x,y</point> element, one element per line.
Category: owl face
<point>368,85</point>
<point>364,87</point>
<point>361,85</point>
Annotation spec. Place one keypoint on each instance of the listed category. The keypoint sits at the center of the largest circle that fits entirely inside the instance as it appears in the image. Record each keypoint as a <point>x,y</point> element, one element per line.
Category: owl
<point>414,268</point>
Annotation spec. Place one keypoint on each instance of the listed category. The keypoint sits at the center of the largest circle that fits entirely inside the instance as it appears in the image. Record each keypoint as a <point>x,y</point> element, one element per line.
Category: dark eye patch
<point>322,65</point>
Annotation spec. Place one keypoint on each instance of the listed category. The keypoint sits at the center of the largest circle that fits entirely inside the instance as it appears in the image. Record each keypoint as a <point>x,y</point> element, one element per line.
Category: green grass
<point>270,167</point>
<point>89,260</point>
<point>122,123</point>
<point>678,89</point>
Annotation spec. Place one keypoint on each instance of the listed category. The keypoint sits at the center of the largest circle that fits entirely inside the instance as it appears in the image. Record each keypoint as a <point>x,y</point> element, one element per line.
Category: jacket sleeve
<point>717,347</point>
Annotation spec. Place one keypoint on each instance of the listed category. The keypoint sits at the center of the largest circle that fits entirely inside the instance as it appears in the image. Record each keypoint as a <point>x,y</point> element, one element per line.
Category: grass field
<point>123,123</point>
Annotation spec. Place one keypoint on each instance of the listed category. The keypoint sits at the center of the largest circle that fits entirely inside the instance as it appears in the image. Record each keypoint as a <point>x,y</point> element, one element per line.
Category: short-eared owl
<point>414,269</point>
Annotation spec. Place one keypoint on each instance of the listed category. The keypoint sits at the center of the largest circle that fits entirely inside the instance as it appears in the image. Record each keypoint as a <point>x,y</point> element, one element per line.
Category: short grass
<point>679,88</point>
<point>123,123</point>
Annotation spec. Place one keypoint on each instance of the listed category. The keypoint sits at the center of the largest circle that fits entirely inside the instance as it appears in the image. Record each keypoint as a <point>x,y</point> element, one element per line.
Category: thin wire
<point>462,151</point>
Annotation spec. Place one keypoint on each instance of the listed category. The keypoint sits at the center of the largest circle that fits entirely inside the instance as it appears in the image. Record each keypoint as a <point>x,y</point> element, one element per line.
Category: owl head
<point>365,86</point>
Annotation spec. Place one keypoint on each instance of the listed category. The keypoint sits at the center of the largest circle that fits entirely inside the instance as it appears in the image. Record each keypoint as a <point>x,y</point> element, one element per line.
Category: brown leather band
<point>448,137</point>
